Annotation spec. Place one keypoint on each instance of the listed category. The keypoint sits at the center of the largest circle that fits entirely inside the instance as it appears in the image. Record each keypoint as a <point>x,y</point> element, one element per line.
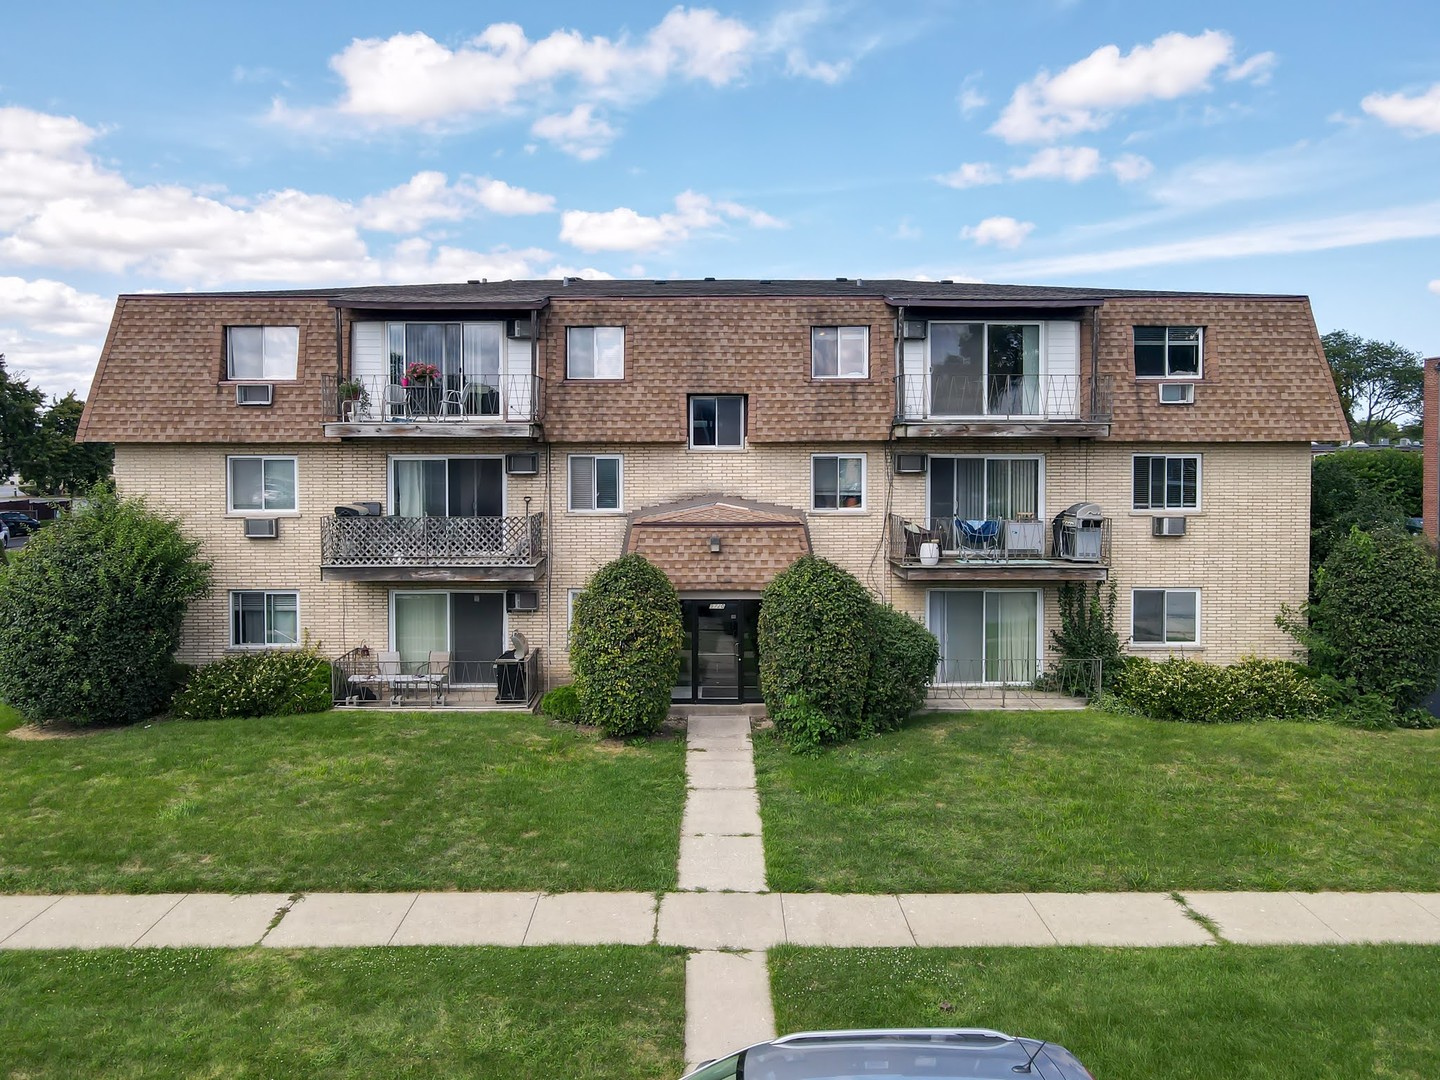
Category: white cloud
<point>428,196</point>
<point>1419,115</point>
<point>1128,168</point>
<point>1084,96</point>
<point>623,229</point>
<point>1256,69</point>
<point>54,307</point>
<point>829,72</point>
<point>1349,230</point>
<point>1435,286</point>
<point>1003,232</point>
<point>971,174</point>
<point>411,78</point>
<point>971,100</point>
<point>579,133</point>
<point>1072,163</point>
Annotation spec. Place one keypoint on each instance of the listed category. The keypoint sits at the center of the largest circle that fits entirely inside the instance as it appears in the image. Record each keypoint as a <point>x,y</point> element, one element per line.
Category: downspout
<point>1094,362</point>
<point>339,361</point>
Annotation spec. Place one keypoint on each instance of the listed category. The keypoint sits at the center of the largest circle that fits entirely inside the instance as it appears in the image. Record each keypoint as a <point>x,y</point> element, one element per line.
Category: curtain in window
<point>1010,625</point>
<point>420,487</point>
<point>1012,488</point>
<point>421,626</point>
<point>957,619</point>
<point>282,619</point>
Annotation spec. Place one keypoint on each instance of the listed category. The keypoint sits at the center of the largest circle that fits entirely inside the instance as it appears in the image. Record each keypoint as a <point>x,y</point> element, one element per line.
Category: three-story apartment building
<point>434,468</point>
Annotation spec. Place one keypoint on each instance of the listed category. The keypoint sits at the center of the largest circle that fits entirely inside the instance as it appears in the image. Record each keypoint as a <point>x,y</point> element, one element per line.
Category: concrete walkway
<point>721,912</point>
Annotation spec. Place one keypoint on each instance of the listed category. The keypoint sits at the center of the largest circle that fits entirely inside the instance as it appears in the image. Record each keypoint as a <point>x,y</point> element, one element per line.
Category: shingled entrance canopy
<point>755,540</point>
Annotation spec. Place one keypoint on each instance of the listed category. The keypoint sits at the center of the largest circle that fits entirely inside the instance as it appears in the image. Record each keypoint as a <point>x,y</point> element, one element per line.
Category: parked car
<point>20,524</point>
<point>933,1053</point>
<point>4,533</point>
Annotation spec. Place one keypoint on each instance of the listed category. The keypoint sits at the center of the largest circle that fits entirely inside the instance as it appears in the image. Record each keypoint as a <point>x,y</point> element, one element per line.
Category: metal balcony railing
<point>475,399</point>
<point>943,396</point>
<point>432,541</point>
<point>961,541</point>
<point>957,678</point>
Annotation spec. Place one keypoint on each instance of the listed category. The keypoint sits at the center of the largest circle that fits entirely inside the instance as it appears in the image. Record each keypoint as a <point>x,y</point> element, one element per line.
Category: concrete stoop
<point>994,698</point>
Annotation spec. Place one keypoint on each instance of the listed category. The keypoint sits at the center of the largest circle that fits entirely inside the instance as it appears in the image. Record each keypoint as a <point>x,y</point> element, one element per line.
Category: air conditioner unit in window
<point>909,463</point>
<point>1168,526</point>
<point>522,600</point>
<point>254,394</point>
<point>519,329</point>
<point>522,464</point>
<point>262,528</point>
<point>1177,393</point>
<point>913,330</point>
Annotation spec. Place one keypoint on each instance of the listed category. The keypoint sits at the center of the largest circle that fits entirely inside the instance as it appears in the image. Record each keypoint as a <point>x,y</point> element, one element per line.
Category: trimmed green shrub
<point>624,646</point>
<point>90,613</point>
<point>903,656</point>
<point>813,645</point>
<point>1374,618</point>
<point>271,683</point>
<point>561,704</point>
<point>804,726</point>
<point>1194,692</point>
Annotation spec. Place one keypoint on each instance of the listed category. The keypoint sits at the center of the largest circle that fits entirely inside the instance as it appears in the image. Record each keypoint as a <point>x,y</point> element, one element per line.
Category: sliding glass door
<point>984,369</point>
<point>470,626</point>
<point>986,636</point>
<point>979,489</point>
<point>449,487</point>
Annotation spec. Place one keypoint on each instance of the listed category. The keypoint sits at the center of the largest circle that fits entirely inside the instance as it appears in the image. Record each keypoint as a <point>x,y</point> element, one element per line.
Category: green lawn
<point>1075,801</point>
<point>1231,1012</point>
<point>613,1012</point>
<point>340,801</point>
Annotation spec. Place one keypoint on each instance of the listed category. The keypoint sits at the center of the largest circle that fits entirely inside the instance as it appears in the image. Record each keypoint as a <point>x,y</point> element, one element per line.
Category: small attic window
<point>268,353</point>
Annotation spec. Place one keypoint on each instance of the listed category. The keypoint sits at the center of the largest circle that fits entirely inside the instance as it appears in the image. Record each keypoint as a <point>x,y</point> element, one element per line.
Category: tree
<point>1345,495</point>
<point>1379,382</point>
<point>19,421</point>
<point>58,465</point>
<point>90,613</point>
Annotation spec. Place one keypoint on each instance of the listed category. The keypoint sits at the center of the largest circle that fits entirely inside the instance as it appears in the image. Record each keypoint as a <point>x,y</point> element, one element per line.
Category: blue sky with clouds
<point>1261,147</point>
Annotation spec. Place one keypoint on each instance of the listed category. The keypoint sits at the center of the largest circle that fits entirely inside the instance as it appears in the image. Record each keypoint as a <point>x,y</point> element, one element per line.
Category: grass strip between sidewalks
<point>1238,1012</point>
<point>614,1012</point>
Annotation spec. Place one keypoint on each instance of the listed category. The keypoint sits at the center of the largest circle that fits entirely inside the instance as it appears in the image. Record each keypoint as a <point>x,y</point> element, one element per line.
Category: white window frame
<point>449,619</point>
<point>267,644</point>
<point>864,486</point>
<point>571,331</point>
<point>230,507</point>
<point>390,476</point>
<point>1039,628</point>
<point>1171,511</point>
<point>839,336</point>
<point>1168,376</point>
<point>619,508</point>
<point>1166,590</point>
<point>264,375</point>
<point>716,449</point>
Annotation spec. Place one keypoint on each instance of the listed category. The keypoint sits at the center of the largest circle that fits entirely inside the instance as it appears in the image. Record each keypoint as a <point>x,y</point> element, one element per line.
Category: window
<point>987,636</point>
<point>595,482</point>
<point>261,352</point>
<point>1167,352</point>
<point>840,352</point>
<point>595,352</point>
<point>984,369</point>
<point>1164,616</point>
<point>837,482</point>
<point>1166,483</point>
<point>448,487</point>
<point>466,358</point>
<point>262,484</point>
<point>261,619</point>
<point>717,423</point>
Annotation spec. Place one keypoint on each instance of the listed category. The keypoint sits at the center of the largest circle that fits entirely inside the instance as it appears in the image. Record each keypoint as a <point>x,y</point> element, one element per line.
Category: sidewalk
<point>721,911</point>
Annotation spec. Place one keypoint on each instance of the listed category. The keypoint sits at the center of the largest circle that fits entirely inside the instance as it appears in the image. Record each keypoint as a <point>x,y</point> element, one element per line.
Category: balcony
<point>463,549</point>
<point>475,406</point>
<point>942,404</point>
<point>998,551</point>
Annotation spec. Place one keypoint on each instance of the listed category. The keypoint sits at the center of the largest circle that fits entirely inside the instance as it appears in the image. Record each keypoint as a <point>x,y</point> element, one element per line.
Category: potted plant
<point>353,390</point>
<point>419,373</point>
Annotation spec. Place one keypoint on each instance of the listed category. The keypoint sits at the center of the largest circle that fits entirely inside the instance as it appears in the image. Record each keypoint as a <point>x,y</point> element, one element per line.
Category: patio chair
<point>380,677</point>
<point>979,539</point>
<point>437,675</point>
<point>397,401</point>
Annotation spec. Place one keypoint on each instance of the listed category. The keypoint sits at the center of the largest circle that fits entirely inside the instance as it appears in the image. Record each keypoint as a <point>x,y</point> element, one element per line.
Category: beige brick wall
<point>1246,548</point>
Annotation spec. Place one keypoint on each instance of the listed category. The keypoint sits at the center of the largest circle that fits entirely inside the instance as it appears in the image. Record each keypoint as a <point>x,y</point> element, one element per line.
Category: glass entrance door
<point>719,660</point>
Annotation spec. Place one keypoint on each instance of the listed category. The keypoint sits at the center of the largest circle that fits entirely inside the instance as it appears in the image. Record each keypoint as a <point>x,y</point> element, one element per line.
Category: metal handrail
<point>432,541</point>
<point>1013,541</point>
<point>955,678</point>
<point>381,399</point>
<point>931,395</point>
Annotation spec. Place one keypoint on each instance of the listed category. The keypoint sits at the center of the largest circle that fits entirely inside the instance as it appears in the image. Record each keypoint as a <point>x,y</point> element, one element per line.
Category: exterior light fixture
<point>714,545</point>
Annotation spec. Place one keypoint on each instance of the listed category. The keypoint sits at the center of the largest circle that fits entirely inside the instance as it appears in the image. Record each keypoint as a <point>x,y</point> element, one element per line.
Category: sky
<point>1239,147</point>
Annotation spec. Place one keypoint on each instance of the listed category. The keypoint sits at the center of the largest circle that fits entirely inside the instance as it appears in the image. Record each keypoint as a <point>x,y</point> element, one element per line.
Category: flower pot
<point>929,554</point>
